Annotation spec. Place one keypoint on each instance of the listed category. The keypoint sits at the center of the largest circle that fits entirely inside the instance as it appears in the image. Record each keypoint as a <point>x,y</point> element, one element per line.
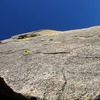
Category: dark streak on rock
<point>22,36</point>
<point>57,53</point>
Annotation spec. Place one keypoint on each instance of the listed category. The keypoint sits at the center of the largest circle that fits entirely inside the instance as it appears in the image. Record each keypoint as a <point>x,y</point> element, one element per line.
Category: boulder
<point>58,65</point>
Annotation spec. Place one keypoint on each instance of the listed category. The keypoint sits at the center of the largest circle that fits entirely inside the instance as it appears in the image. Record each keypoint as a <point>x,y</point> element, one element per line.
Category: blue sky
<point>19,16</point>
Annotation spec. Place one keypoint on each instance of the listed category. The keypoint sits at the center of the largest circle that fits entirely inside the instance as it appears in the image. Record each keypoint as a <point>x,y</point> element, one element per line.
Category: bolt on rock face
<point>25,52</point>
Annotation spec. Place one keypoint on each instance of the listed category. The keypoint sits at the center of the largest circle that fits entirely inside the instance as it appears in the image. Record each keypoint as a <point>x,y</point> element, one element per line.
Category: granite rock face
<point>53,65</point>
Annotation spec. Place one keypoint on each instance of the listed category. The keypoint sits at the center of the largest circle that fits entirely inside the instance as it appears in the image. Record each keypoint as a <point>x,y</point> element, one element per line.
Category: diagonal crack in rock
<point>57,53</point>
<point>61,52</point>
<point>61,91</point>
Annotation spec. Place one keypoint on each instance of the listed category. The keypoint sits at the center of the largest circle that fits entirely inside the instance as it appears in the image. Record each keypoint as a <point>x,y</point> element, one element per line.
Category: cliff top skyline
<point>21,16</point>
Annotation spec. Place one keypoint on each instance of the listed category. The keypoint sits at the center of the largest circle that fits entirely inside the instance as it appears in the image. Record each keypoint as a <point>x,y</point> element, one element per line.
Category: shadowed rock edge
<point>6,93</point>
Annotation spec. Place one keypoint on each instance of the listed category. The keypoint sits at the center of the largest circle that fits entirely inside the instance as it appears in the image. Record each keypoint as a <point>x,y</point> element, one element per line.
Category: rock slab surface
<point>53,65</point>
